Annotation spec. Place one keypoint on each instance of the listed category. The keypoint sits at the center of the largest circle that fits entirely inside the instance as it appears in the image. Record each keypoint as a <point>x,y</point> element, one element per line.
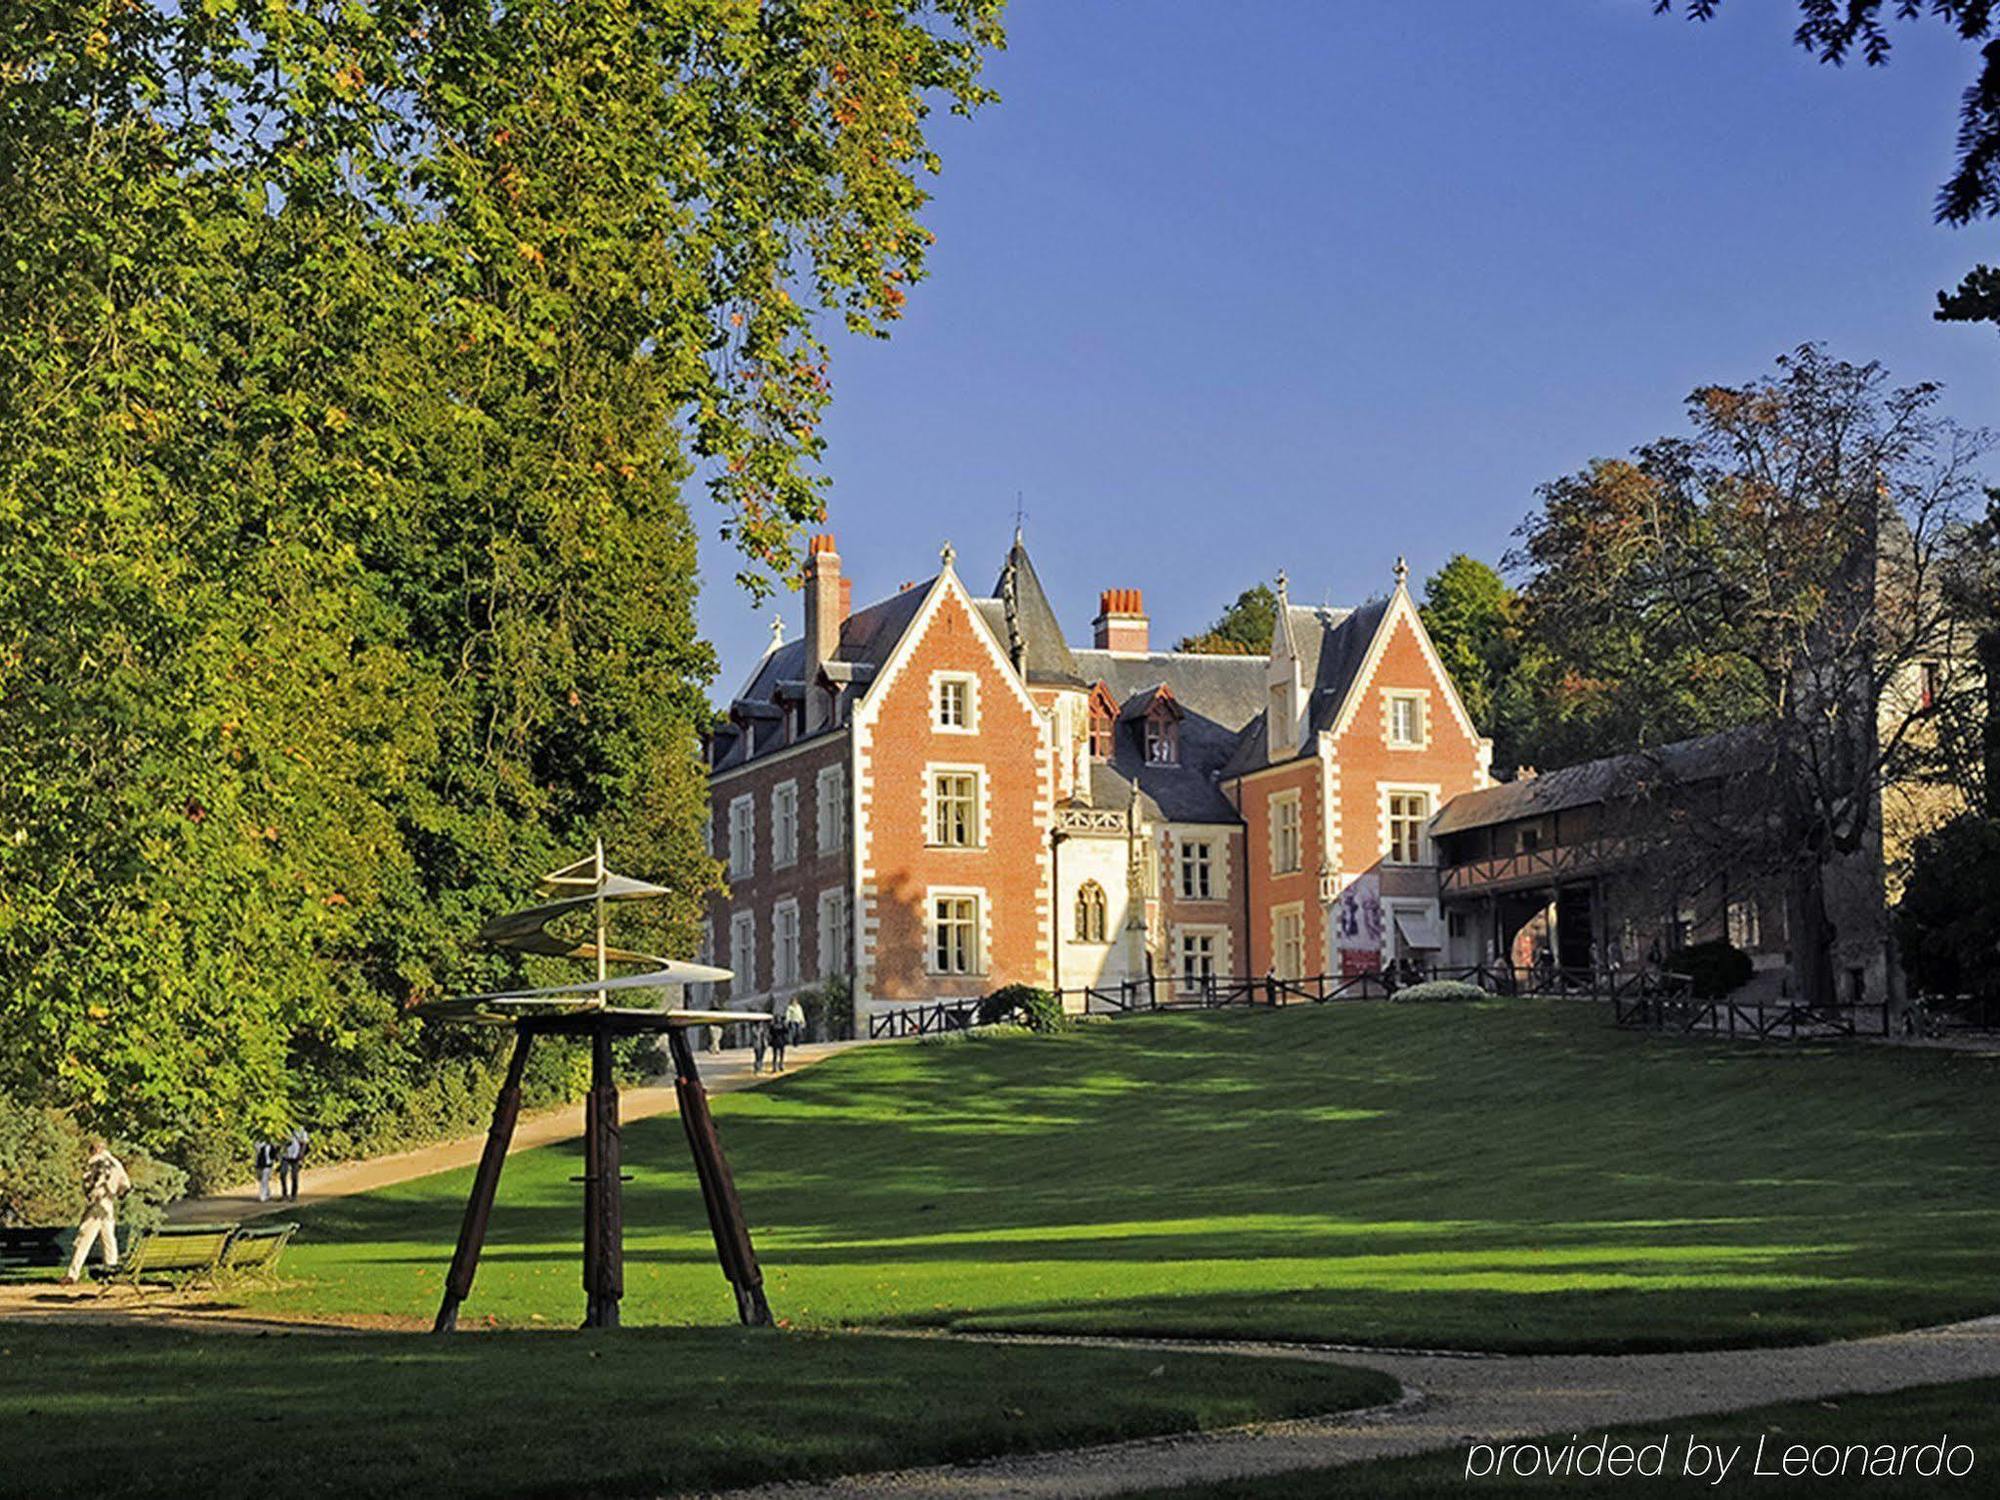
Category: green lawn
<point>1964,1411</point>
<point>1508,1175</point>
<point>96,1412</point>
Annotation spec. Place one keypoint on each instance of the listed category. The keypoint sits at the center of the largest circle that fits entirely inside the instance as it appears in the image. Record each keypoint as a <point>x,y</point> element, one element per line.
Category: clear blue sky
<point>1228,285</point>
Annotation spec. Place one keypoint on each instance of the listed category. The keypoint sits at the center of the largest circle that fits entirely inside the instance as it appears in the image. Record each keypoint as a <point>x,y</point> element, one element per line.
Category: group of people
<point>285,1158</point>
<point>773,1037</point>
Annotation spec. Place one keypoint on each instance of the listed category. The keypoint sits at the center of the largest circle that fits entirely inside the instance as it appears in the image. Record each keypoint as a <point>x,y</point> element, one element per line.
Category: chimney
<point>826,606</point>
<point>1121,620</point>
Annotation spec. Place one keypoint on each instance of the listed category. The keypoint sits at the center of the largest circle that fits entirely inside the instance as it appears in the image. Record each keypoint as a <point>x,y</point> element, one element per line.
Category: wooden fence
<point>1165,992</point>
<point>1781,1019</point>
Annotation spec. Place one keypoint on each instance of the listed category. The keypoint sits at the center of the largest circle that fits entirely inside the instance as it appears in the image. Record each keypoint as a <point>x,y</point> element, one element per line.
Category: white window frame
<point>1205,864</point>
<point>980,930</point>
<point>1292,912</point>
<point>931,775</point>
<point>1743,924</point>
<point>1217,958</point>
<point>1420,716</point>
<point>785,943</point>
<point>834,936</point>
<point>1392,790</point>
<point>968,707</point>
<point>1290,801</point>
<point>830,810</point>
<point>743,954</point>
<point>742,837</point>
<point>784,825</point>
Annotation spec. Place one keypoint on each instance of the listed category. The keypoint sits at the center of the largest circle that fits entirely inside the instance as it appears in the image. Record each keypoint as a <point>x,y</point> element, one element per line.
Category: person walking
<point>760,1038</point>
<point>266,1157</point>
<point>293,1154</point>
<point>795,1022</point>
<point>780,1033</point>
<point>104,1182</point>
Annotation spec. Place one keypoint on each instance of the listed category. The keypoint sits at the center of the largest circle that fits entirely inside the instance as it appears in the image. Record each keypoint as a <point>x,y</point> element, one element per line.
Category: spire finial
<point>1402,573</point>
<point>1020,519</point>
<point>1282,583</point>
<point>777,631</point>
<point>949,554</point>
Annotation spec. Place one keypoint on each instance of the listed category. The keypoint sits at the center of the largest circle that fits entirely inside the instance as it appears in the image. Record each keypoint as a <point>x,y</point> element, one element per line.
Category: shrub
<point>1036,1009</point>
<point>155,1185</point>
<point>836,1010</point>
<point>1715,968</point>
<point>1440,989</point>
<point>1947,924</point>
<point>41,1165</point>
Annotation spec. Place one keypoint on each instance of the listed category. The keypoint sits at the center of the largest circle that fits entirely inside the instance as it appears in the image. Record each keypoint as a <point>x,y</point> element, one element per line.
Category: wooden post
<point>472,1232</point>
<point>603,1193</point>
<point>718,1189</point>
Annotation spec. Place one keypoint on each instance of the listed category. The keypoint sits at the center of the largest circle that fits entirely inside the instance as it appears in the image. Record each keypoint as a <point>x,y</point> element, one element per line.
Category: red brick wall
<point>766,886</point>
<point>1364,761</point>
<point>898,742</point>
<point>1268,890</point>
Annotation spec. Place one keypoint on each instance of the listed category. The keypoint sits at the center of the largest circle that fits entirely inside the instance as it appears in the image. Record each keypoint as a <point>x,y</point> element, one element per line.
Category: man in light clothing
<point>288,1165</point>
<point>104,1182</point>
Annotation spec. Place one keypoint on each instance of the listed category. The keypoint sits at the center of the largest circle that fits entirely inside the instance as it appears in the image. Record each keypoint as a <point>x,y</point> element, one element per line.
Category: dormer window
<point>1163,738</point>
<point>1103,722</point>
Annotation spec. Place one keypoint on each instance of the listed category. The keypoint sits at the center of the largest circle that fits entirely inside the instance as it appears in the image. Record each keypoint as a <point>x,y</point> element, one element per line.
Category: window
<point>1197,960</point>
<point>1930,684</point>
<point>954,934</point>
<point>1090,906</point>
<point>784,944</point>
<point>743,953</point>
<point>1289,942</point>
<point>830,809</point>
<point>1406,720</point>
<point>1197,869</point>
<point>1103,723</point>
<point>1163,743</point>
<point>832,933</point>
<point>1285,856</point>
<point>955,702</point>
<point>784,825</point>
<point>1456,924</point>
<point>1408,813</point>
<point>742,838</point>
<point>955,809</point>
<point>1744,928</point>
<point>1527,840</point>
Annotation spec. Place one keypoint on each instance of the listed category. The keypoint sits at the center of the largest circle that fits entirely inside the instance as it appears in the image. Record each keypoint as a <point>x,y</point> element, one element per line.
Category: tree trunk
<point>1812,934</point>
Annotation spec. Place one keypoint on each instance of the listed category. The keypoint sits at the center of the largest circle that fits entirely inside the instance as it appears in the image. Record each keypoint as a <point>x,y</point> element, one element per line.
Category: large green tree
<point>1795,561</point>
<point>353,360</point>
<point>1474,620</point>
<point>1243,629</point>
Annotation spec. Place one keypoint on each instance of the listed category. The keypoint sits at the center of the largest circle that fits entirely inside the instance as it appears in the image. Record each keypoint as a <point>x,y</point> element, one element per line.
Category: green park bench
<point>34,1246</point>
<point>183,1252</point>
<point>255,1248</point>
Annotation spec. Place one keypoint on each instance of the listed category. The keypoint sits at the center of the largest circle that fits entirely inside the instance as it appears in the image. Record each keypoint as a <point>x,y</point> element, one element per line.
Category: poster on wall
<point>1357,925</point>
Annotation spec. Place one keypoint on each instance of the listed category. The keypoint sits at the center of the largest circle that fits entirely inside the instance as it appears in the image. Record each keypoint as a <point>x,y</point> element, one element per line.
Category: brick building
<point>937,795</point>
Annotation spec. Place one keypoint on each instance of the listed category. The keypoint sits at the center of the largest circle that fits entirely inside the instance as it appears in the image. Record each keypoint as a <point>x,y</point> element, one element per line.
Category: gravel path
<point>1448,1401</point>
<point>721,1073</point>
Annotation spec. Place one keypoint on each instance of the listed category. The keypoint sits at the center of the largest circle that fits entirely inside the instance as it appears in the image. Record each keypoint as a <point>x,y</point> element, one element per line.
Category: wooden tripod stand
<point>603,1184</point>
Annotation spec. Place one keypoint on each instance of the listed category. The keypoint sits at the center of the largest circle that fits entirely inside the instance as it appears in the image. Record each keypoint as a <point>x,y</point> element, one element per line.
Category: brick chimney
<point>1121,620</point>
<point>826,607</point>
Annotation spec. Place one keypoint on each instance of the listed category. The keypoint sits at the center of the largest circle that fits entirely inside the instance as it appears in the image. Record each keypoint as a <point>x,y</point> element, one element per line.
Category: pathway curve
<point>1448,1401</point>
<point>721,1072</point>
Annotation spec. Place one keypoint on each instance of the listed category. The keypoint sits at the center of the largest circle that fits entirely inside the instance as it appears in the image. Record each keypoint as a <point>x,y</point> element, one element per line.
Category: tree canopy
<point>352,363</point>
<point>1244,629</point>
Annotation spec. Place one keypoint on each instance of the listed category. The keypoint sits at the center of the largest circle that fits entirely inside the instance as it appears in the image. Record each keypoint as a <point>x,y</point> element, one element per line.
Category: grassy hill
<point>1507,1175</point>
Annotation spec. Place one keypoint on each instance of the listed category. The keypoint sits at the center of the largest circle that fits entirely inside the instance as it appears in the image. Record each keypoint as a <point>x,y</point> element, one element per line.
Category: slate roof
<point>866,638</point>
<point>1332,644</point>
<point>1711,757</point>
<point>1215,695</point>
<point>1048,659</point>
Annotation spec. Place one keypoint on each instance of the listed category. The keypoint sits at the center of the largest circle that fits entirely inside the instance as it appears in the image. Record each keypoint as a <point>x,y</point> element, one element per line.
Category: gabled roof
<point>1332,645</point>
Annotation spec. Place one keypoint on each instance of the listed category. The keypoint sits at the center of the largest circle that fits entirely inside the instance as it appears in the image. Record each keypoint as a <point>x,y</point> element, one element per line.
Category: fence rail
<point>923,1020</point>
<point>1764,1021</point>
<point>1162,992</point>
